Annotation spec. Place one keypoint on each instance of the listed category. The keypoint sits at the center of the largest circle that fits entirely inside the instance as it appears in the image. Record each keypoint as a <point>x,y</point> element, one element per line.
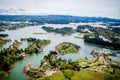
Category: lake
<point>35,59</point>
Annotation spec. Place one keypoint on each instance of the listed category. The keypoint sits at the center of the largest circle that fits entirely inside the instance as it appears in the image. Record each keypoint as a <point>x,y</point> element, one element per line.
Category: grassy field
<point>81,75</point>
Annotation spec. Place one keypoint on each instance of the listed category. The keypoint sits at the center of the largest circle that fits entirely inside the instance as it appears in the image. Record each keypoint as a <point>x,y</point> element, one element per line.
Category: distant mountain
<point>56,19</point>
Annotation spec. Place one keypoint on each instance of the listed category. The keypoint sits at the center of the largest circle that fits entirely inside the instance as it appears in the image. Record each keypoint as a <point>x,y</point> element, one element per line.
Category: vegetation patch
<point>8,56</point>
<point>3,41</point>
<point>63,31</point>
<point>36,45</point>
<point>79,75</point>
<point>66,47</point>
<point>53,68</point>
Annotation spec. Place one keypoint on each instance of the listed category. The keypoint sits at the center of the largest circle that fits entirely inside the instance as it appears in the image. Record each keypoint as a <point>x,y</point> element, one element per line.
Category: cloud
<point>12,11</point>
<point>105,8</point>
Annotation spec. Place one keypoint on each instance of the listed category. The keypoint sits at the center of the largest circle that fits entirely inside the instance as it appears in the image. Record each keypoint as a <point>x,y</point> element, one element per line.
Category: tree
<point>68,73</point>
<point>6,65</point>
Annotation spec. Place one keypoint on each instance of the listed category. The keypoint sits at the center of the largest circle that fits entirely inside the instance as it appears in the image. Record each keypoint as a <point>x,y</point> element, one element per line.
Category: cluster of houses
<point>101,68</point>
<point>102,51</point>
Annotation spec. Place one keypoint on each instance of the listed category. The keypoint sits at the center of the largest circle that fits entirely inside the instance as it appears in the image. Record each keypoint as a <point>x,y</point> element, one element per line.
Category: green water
<point>17,71</point>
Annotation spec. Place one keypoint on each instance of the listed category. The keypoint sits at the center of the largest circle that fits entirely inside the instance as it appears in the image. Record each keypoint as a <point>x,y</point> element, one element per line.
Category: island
<point>54,68</point>
<point>8,56</point>
<point>36,45</point>
<point>66,47</point>
<point>107,37</point>
<point>100,41</point>
<point>3,41</point>
<point>13,25</point>
<point>3,35</point>
<point>63,31</point>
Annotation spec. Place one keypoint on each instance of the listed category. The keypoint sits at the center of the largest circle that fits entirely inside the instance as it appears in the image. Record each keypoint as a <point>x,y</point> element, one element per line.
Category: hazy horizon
<point>90,8</point>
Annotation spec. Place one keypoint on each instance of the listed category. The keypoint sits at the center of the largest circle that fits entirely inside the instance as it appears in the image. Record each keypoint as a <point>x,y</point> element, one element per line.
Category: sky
<point>97,8</point>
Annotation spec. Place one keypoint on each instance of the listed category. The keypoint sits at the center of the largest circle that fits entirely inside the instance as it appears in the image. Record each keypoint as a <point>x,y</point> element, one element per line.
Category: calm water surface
<point>17,71</point>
